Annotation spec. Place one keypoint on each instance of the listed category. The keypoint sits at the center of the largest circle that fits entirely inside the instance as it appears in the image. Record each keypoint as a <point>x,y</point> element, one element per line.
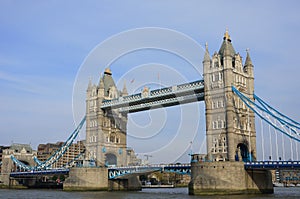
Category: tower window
<point>214,104</point>
<point>219,104</point>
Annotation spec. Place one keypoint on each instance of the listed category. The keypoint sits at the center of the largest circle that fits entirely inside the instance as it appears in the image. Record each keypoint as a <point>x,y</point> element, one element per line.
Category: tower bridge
<point>227,89</point>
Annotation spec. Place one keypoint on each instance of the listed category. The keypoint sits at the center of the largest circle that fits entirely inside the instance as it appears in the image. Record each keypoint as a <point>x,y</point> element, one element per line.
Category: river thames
<point>174,193</point>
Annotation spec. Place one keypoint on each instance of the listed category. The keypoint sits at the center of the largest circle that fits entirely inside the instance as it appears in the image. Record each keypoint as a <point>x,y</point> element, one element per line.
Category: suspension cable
<point>283,152</point>
<point>296,146</point>
<point>271,153</point>
<point>276,146</point>
<point>262,138</point>
<point>249,130</point>
<point>284,124</point>
<point>292,154</point>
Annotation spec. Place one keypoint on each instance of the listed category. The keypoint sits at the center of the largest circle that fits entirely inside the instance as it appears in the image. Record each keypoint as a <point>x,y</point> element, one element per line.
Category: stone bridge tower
<point>230,125</point>
<point>106,129</point>
<point>22,152</point>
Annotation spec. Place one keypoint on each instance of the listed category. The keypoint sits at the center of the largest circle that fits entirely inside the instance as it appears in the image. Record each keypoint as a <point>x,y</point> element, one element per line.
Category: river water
<point>173,193</point>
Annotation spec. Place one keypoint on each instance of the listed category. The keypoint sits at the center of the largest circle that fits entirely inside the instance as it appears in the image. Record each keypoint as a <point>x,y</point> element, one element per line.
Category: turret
<point>206,64</point>
<point>124,90</point>
<point>248,67</point>
<point>89,89</point>
<point>101,88</point>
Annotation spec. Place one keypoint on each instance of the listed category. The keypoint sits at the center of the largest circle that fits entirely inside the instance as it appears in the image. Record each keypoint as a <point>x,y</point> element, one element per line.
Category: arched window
<point>110,159</point>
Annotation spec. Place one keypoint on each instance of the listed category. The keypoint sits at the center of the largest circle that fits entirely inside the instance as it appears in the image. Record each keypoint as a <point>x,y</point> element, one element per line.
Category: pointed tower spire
<point>90,84</point>
<point>248,67</point>
<point>124,91</point>
<point>101,83</point>
<point>248,61</point>
<point>206,55</point>
<point>226,35</point>
<point>226,47</point>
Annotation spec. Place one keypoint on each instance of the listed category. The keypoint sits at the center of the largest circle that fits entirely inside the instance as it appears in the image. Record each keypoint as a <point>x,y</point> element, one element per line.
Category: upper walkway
<point>164,97</point>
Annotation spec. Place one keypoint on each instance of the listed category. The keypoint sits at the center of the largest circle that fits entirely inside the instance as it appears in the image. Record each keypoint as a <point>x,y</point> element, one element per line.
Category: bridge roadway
<point>121,172</point>
<point>164,97</point>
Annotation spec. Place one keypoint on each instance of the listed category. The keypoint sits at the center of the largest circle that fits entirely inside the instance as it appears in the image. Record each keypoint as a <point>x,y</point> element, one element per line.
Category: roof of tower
<point>226,47</point>
<point>107,71</point>
<point>108,81</point>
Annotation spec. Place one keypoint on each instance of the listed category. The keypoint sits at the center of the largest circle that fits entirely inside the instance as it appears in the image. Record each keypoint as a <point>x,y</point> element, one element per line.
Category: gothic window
<point>214,125</point>
<point>216,64</point>
<point>214,104</point>
<point>219,124</point>
<point>219,104</point>
<point>117,140</point>
<point>217,77</point>
<point>112,138</point>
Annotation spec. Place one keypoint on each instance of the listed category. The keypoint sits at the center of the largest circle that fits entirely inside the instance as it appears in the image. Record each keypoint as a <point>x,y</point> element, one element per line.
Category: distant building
<point>2,148</point>
<point>47,150</point>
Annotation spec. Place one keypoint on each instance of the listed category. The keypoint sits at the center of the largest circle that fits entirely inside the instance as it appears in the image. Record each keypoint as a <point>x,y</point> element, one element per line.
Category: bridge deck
<point>116,172</point>
<point>273,165</point>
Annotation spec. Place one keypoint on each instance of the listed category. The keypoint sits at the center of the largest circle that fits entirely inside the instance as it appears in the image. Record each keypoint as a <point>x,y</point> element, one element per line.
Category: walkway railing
<point>273,165</point>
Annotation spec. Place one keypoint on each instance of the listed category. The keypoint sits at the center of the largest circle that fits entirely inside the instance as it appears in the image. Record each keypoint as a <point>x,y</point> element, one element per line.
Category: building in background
<point>2,148</point>
<point>73,152</point>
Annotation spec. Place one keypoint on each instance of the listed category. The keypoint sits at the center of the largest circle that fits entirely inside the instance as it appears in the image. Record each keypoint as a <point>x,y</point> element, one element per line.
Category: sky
<point>46,47</point>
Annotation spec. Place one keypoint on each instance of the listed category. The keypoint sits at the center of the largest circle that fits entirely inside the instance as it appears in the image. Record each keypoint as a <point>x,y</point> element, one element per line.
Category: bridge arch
<point>242,152</point>
<point>111,159</point>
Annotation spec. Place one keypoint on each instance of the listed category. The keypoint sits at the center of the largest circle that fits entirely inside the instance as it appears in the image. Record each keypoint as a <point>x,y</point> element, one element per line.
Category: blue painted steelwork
<point>273,165</point>
<point>43,172</point>
<point>20,164</point>
<point>37,161</point>
<point>117,172</point>
<point>55,157</point>
<point>281,122</point>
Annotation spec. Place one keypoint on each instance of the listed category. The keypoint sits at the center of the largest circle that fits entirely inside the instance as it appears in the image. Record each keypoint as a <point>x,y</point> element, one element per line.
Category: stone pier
<point>87,179</point>
<point>96,179</point>
<point>132,183</point>
<point>218,178</point>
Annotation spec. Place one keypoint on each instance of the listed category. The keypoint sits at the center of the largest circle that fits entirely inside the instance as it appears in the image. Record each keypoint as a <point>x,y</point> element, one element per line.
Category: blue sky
<point>44,43</point>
